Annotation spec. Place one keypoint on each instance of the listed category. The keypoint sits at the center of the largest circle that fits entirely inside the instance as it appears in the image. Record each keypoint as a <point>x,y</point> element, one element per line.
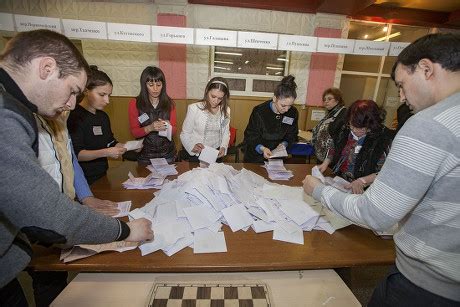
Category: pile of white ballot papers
<point>190,210</point>
<point>159,170</point>
<point>276,170</point>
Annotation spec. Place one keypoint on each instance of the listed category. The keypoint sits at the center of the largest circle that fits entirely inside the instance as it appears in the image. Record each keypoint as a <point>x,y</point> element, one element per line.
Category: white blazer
<point>194,125</point>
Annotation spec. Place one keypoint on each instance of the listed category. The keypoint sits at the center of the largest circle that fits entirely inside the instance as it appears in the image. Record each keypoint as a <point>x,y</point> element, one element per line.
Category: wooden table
<point>247,251</point>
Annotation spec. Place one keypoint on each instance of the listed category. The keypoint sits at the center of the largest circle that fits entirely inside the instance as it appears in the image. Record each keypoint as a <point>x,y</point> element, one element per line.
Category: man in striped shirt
<point>419,184</point>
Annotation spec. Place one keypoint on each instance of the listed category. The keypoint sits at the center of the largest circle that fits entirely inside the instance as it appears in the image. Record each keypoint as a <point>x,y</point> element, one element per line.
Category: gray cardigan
<point>419,187</point>
<point>32,208</point>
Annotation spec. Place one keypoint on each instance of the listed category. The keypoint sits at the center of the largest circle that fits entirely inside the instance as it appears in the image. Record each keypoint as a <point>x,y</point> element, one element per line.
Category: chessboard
<point>212,295</point>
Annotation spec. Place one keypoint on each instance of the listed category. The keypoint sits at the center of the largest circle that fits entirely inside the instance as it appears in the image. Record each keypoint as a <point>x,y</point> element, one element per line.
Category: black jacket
<point>269,129</point>
<point>375,144</point>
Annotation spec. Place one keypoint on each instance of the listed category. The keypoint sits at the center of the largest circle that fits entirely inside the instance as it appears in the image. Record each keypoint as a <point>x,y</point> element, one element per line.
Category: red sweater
<point>136,130</point>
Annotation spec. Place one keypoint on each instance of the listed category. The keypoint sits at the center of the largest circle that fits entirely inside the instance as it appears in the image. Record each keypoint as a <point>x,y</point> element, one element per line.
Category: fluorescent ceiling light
<point>224,68</point>
<point>387,36</point>
<point>246,62</point>
<point>278,73</point>
<point>274,68</point>
<point>229,53</point>
<point>385,28</point>
<point>282,59</point>
<point>223,62</point>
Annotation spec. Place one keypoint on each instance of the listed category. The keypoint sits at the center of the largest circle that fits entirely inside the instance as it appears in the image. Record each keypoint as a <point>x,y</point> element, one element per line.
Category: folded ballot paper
<point>166,133</point>
<point>152,181</point>
<point>279,152</point>
<point>133,145</point>
<point>86,250</point>
<point>189,212</point>
<point>337,182</point>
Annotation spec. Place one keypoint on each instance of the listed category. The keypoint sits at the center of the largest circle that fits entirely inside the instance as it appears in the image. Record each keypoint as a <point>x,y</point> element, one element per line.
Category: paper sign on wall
<point>335,45</point>
<point>257,40</point>
<point>396,48</point>
<point>366,47</point>
<point>172,35</point>
<point>128,32</point>
<point>297,43</point>
<point>84,29</point>
<point>215,37</point>
<point>29,23</point>
<point>317,115</point>
<point>6,22</point>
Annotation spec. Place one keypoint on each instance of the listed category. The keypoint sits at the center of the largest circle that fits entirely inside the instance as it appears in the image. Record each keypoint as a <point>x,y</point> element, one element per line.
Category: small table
<point>294,288</point>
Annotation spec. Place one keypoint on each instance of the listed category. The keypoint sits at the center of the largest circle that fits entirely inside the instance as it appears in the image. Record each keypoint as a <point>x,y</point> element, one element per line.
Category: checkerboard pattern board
<point>210,295</point>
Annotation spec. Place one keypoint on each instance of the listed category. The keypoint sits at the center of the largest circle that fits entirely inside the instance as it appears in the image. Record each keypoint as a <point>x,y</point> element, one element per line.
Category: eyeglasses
<point>328,98</point>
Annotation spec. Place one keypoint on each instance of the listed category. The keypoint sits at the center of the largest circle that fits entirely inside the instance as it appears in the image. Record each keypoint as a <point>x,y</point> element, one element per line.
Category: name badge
<point>358,149</point>
<point>97,130</point>
<point>143,118</point>
<point>288,120</point>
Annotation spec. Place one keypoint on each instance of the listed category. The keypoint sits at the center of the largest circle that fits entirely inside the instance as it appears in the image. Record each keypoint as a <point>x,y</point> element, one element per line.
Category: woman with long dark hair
<point>151,112</point>
<point>361,147</point>
<point>207,121</point>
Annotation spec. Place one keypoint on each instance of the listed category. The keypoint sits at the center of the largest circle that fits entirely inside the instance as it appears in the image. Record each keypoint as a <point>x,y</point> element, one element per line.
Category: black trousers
<point>47,286</point>
<point>398,291</point>
<point>12,295</point>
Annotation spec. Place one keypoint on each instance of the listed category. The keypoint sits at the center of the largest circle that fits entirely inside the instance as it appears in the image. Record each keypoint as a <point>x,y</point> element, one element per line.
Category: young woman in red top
<point>150,112</point>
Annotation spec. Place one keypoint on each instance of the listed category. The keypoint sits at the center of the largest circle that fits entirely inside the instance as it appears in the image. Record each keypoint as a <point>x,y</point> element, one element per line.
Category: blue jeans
<point>396,290</point>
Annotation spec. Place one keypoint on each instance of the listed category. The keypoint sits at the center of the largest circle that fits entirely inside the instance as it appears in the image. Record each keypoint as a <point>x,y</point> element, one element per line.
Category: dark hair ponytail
<point>286,88</point>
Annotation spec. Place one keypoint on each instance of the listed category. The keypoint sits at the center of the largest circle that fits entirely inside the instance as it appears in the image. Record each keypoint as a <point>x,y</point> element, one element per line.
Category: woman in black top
<point>272,124</point>
<point>90,130</point>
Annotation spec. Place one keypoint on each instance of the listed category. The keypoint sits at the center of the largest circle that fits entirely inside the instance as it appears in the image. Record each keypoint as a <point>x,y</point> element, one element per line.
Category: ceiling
<point>432,13</point>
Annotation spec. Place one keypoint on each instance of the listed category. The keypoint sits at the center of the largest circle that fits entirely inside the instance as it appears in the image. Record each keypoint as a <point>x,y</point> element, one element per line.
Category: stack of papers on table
<point>277,171</point>
<point>190,210</point>
<point>152,181</point>
<point>161,166</point>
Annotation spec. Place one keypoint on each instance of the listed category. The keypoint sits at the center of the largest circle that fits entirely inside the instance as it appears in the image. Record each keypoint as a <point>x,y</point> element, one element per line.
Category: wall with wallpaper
<point>125,60</point>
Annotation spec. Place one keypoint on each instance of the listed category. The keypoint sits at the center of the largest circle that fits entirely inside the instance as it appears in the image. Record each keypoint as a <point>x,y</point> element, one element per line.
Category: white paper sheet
<point>207,241</point>
<point>208,155</point>
<point>166,133</point>
<point>133,145</point>
<point>282,235</point>
<point>237,217</point>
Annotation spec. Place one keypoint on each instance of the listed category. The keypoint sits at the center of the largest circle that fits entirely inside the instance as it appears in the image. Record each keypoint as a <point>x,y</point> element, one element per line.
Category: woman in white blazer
<point>207,121</point>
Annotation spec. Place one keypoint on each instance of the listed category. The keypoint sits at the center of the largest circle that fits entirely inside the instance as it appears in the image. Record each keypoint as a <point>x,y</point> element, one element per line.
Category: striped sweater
<point>419,187</point>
